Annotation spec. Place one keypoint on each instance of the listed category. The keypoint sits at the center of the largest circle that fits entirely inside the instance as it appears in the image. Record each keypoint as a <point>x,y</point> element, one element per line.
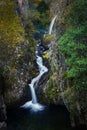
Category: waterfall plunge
<point>33,104</point>
<point>51,25</point>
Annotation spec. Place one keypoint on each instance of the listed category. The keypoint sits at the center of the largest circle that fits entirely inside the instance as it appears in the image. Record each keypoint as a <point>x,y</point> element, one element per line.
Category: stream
<point>33,105</point>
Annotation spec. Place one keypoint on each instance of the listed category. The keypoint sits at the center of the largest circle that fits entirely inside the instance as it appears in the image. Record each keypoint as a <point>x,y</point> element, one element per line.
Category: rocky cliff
<point>3,116</point>
<point>16,61</point>
<point>58,90</point>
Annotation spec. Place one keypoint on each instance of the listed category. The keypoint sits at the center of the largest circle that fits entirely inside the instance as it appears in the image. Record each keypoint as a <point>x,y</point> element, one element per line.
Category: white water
<point>33,104</point>
<point>51,25</point>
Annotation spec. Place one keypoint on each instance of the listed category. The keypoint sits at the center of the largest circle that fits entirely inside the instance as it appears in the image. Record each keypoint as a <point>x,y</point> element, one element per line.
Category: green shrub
<point>73,45</point>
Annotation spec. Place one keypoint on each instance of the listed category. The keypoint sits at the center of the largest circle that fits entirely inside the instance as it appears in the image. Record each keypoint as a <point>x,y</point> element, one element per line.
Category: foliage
<point>45,55</point>
<point>11,41</point>
<point>78,13</point>
<point>11,32</point>
<point>43,10</point>
<point>73,45</point>
<point>36,2</point>
<point>48,38</point>
<point>36,20</point>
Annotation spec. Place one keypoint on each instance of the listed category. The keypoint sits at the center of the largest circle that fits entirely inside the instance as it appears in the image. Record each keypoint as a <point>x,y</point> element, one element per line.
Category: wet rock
<point>43,81</point>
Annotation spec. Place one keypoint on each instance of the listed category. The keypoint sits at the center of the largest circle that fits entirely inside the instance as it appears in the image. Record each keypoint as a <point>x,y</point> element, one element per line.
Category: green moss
<point>52,92</point>
<point>48,38</point>
<point>45,55</point>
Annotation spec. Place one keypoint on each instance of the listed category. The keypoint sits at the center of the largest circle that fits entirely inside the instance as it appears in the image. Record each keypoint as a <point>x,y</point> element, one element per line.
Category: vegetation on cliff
<point>68,59</point>
<point>11,37</point>
<point>73,45</point>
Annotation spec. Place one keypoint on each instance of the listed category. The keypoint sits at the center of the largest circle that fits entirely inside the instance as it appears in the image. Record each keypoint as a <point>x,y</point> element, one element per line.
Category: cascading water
<point>51,25</point>
<point>33,104</point>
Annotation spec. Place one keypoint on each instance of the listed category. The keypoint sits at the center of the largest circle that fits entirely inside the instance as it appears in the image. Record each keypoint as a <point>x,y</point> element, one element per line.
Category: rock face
<point>15,73</point>
<point>3,116</point>
<point>16,94</point>
<point>42,82</point>
<point>57,89</point>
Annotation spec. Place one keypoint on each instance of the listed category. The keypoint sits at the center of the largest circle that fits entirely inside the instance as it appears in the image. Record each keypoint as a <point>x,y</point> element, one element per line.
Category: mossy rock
<point>45,55</point>
<point>48,38</point>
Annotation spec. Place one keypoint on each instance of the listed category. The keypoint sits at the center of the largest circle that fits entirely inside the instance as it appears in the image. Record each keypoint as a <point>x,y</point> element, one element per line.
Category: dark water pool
<point>52,118</point>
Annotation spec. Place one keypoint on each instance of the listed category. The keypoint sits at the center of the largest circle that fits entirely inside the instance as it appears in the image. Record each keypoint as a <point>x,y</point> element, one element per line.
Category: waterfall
<point>33,104</point>
<point>33,94</point>
<point>51,25</point>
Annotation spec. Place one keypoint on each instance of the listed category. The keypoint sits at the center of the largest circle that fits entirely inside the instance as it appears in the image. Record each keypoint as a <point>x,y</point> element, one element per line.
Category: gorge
<point>43,71</point>
<point>33,104</point>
